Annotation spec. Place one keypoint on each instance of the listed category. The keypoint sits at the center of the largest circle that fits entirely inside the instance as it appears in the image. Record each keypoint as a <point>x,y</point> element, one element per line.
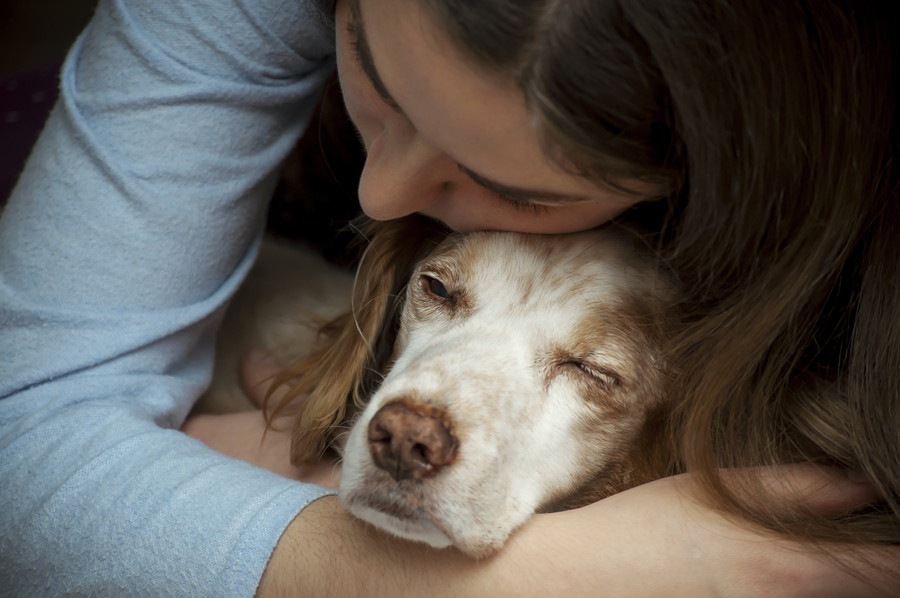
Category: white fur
<point>494,365</point>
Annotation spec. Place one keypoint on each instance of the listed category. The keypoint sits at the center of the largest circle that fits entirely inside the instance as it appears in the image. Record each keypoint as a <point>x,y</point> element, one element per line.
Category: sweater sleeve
<point>138,214</point>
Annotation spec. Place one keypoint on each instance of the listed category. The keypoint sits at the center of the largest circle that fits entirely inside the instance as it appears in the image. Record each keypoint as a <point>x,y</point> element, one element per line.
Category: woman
<point>139,213</point>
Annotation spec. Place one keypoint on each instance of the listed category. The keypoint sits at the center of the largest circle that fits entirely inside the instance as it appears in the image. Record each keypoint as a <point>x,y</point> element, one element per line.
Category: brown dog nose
<point>411,441</point>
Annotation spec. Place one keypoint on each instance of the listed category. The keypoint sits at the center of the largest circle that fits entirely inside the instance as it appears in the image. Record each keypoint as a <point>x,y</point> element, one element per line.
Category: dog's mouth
<point>411,516</point>
<point>403,473</point>
<point>398,518</point>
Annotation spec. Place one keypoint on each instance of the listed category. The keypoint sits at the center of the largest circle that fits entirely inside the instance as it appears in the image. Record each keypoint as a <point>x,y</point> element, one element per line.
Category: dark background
<point>34,37</point>
<point>36,32</point>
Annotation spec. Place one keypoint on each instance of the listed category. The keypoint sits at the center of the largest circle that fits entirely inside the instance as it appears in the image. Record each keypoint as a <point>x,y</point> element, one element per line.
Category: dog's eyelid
<point>601,374</point>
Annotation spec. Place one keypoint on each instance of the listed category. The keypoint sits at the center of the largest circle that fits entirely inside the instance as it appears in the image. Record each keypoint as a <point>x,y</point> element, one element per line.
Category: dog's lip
<point>425,529</point>
<point>412,512</point>
<point>411,509</point>
<point>401,520</point>
<point>399,510</point>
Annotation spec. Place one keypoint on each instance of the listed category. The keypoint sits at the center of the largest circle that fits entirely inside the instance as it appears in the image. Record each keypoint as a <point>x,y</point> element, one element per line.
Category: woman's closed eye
<point>533,202</point>
<point>522,205</point>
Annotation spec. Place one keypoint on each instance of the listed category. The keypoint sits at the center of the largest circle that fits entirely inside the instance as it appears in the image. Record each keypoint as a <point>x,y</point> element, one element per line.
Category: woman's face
<point>443,139</point>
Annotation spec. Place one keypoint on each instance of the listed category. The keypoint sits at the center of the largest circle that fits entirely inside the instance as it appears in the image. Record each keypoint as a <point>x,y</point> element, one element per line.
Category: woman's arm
<point>655,540</point>
<point>136,218</point>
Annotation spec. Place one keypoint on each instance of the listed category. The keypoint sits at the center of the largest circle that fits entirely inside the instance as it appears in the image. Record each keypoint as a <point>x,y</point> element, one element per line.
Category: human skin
<point>656,540</point>
<point>444,119</point>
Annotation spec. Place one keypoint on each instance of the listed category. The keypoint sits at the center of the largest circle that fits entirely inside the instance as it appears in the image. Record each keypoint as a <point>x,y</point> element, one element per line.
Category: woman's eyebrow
<point>522,194</point>
<point>364,56</point>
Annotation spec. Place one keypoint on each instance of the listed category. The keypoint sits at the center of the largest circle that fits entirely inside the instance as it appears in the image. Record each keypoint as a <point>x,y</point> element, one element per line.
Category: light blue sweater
<point>138,215</point>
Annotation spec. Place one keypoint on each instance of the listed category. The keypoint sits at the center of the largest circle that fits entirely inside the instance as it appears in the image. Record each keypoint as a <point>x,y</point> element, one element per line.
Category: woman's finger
<point>827,490</point>
<point>736,558</point>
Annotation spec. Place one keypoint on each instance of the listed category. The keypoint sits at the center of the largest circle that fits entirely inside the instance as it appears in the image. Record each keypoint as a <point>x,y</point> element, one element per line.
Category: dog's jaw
<point>416,530</point>
<point>473,505</point>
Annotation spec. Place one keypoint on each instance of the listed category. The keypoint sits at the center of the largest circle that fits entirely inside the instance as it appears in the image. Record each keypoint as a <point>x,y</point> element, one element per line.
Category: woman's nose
<point>404,176</point>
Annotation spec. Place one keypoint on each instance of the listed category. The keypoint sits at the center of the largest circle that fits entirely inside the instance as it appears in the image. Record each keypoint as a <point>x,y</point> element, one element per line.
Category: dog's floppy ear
<point>339,377</point>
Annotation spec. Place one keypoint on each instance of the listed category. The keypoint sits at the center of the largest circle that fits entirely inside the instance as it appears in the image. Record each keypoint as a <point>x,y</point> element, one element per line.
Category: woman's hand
<point>669,542</point>
<point>247,437</point>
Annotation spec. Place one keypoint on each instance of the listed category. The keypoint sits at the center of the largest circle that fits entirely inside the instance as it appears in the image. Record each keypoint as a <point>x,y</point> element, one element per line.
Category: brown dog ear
<point>339,378</point>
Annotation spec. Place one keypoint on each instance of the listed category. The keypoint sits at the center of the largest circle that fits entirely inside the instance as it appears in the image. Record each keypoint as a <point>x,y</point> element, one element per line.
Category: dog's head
<point>523,371</point>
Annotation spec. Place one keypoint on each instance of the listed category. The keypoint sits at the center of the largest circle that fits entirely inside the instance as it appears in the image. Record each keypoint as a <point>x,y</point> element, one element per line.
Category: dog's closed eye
<point>601,375</point>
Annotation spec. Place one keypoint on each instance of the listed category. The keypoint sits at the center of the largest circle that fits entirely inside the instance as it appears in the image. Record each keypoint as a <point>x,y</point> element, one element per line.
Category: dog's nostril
<point>411,441</point>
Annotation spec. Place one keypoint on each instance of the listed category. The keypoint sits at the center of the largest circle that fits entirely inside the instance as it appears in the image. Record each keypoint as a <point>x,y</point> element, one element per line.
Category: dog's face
<point>523,371</point>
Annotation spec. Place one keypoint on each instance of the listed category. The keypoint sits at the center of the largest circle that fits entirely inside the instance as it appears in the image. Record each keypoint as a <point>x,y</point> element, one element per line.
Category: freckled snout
<point>410,440</point>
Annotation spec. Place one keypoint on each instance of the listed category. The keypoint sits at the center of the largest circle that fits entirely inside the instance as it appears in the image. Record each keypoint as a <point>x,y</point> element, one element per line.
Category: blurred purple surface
<point>25,103</point>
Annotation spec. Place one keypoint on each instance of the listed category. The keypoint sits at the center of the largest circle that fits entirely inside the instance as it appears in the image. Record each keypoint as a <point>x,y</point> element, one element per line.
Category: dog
<point>484,377</point>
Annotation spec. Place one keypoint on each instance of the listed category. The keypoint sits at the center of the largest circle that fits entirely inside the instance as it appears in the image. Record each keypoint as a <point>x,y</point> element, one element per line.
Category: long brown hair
<point>772,133</point>
<point>773,129</point>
